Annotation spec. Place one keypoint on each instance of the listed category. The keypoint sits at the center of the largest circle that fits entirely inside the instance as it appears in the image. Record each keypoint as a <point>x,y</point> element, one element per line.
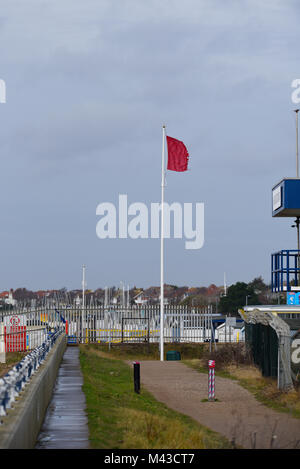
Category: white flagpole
<point>162,248</point>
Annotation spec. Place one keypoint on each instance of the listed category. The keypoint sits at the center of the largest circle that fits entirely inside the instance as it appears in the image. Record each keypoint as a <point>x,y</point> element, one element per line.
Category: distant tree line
<point>237,295</point>
<point>241,294</point>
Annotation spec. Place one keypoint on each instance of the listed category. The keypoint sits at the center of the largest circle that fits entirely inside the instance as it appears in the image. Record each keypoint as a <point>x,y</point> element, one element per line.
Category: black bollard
<point>136,376</point>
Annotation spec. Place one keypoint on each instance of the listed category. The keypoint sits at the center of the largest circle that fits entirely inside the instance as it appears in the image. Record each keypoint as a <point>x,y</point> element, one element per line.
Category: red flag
<point>178,156</point>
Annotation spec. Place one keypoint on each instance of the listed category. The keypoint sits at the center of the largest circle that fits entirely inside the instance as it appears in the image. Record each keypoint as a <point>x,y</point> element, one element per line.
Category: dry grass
<point>12,358</point>
<point>145,430</point>
<point>228,354</point>
<point>266,389</point>
<point>249,372</point>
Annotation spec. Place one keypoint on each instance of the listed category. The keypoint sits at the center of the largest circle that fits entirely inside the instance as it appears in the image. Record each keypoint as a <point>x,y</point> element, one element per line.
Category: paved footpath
<point>65,425</point>
<point>237,415</point>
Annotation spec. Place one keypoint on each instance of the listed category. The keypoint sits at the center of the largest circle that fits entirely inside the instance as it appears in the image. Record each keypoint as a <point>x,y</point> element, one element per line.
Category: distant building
<point>141,298</point>
<point>115,300</point>
<point>78,300</point>
<point>9,300</point>
<point>4,295</point>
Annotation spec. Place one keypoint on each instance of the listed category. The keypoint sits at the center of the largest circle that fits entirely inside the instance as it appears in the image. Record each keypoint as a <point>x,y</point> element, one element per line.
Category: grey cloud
<point>89,85</point>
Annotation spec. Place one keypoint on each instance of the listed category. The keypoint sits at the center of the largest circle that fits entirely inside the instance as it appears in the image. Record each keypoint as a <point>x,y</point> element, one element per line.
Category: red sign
<point>15,321</point>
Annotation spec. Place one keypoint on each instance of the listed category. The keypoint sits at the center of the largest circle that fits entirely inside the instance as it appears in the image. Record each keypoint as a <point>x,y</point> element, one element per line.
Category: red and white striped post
<point>211,380</point>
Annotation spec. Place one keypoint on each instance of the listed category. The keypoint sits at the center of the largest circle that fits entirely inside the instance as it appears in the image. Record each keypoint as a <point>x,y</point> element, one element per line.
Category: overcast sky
<point>89,85</point>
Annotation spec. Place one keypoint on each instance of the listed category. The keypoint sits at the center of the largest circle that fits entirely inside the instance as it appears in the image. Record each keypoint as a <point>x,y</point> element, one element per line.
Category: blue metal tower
<point>285,264</point>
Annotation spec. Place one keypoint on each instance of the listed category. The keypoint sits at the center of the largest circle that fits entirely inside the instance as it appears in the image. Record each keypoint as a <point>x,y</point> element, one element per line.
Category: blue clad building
<point>286,198</point>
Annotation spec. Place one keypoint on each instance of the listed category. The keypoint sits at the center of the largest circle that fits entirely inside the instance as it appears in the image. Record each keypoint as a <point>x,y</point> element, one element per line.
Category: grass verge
<point>12,358</point>
<point>121,419</point>
<point>150,351</point>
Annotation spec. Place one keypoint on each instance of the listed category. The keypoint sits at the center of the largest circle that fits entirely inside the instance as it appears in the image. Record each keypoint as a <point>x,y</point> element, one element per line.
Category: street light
<point>297,219</point>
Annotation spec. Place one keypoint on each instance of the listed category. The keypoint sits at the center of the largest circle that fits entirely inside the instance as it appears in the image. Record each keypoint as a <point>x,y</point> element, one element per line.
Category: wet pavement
<point>65,425</point>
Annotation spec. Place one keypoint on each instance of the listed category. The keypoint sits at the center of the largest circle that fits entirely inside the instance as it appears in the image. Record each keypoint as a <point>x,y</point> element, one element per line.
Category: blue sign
<point>292,298</point>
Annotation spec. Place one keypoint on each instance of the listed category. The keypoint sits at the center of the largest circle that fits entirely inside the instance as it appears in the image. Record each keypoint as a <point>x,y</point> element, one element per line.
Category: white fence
<point>115,324</point>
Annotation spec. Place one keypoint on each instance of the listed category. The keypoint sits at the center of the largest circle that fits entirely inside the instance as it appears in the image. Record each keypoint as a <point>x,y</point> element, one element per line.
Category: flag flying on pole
<point>177,161</point>
<point>178,156</point>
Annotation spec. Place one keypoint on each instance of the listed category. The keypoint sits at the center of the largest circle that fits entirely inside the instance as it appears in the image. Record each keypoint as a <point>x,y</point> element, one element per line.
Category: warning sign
<point>15,320</point>
<point>15,332</point>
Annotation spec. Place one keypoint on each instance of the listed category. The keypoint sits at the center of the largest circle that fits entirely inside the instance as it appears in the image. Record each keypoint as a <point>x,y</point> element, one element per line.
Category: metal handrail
<point>16,379</point>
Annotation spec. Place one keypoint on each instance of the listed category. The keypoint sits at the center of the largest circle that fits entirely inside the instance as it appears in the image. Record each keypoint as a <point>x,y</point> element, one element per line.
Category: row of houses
<point>174,295</point>
<point>117,296</point>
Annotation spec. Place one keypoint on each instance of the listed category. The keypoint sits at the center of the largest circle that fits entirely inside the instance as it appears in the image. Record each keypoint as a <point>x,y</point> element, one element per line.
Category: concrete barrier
<point>19,429</point>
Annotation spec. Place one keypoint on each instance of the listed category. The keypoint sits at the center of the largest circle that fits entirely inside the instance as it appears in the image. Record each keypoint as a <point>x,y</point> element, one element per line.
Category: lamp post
<point>297,153</point>
<point>297,219</point>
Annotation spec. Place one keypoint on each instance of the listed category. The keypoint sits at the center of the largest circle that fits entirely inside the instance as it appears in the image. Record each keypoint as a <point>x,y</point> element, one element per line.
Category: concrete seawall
<point>20,427</point>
